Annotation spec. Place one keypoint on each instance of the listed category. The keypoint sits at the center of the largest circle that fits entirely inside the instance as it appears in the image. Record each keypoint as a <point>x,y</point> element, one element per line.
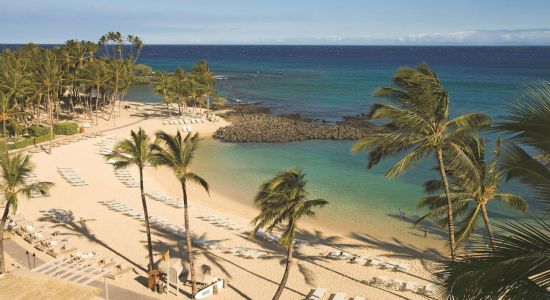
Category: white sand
<point>257,279</point>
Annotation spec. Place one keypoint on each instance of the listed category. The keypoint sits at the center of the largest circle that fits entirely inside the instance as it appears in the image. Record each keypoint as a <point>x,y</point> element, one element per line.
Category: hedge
<point>38,130</point>
<point>25,142</point>
<point>65,128</point>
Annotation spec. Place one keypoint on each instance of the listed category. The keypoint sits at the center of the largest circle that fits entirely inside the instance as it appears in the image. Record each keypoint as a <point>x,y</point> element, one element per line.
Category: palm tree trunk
<point>189,241</point>
<point>97,105</point>
<point>51,123</point>
<point>208,107</point>
<point>5,137</point>
<point>2,224</point>
<point>146,215</point>
<point>487,225</point>
<point>452,241</point>
<point>287,272</point>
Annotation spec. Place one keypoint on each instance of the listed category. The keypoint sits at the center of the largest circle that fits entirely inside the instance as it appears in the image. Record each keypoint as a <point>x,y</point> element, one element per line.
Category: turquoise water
<point>331,82</point>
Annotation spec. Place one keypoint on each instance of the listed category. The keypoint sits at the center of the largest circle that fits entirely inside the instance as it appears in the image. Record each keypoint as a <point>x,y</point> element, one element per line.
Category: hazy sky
<point>280,21</point>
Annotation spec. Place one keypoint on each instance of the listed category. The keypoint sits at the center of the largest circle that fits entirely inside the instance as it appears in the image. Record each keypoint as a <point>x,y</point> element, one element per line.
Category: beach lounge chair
<point>236,250</point>
<point>397,284</point>
<point>411,286</point>
<point>375,262</point>
<point>390,265</point>
<point>339,296</point>
<point>403,267</point>
<point>317,294</point>
<point>360,260</point>
<point>380,281</point>
<point>429,289</point>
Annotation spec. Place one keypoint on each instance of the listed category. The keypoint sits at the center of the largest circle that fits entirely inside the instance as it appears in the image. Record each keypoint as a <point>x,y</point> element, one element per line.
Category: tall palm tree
<point>472,187</point>
<point>177,153</point>
<point>49,77</point>
<point>15,171</point>
<point>419,126</point>
<point>202,74</point>
<point>516,267</point>
<point>8,114</point>
<point>95,74</point>
<point>136,151</point>
<point>283,201</point>
<point>161,86</point>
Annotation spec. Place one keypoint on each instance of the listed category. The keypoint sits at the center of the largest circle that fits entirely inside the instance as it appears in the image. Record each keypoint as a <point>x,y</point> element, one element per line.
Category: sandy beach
<point>94,227</point>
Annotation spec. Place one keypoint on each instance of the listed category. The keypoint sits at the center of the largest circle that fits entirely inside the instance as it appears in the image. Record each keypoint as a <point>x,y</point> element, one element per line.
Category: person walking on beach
<point>425,231</point>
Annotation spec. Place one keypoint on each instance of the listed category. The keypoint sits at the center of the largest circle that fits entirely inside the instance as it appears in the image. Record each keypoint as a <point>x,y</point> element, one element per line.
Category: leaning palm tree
<point>420,125</point>
<point>177,153</point>
<point>136,151</point>
<point>283,201</point>
<point>15,171</point>
<point>472,187</point>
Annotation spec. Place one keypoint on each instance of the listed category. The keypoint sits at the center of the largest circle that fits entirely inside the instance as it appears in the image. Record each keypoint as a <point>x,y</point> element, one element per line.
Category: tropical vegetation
<point>283,202</point>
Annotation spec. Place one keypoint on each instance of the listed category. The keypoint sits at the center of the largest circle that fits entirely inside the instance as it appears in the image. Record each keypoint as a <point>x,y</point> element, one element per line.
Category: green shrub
<point>38,130</point>
<point>65,128</point>
<point>25,142</point>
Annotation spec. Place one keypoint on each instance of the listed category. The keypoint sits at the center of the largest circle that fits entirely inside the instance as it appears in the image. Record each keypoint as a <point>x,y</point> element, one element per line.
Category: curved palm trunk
<point>487,225</point>
<point>285,275</point>
<point>189,241</point>
<point>5,137</point>
<point>2,224</point>
<point>452,241</point>
<point>146,215</point>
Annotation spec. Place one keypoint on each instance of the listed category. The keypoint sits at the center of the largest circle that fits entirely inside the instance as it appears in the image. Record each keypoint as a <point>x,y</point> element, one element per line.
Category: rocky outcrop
<point>263,128</point>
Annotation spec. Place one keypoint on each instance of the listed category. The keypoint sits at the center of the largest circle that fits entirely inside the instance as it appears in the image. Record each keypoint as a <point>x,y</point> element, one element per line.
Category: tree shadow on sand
<point>80,228</point>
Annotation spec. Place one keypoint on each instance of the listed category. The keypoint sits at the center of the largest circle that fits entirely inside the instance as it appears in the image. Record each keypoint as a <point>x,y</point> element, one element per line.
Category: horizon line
<point>314,45</point>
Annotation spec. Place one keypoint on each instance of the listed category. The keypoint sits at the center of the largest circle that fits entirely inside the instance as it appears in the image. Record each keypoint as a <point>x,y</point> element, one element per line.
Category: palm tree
<point>177,154</point>
<point>202,74</point>
<point>8,114</point>
<point>15,171</point>
<point>136,151</point>
<point>95,74</point>
<point>472,187</point>
<point>420,125</point>
<point>516,267</point>
<point>161,86</point>
<point>529,123</point>
<point>49,78</point>
<point>283,201</point>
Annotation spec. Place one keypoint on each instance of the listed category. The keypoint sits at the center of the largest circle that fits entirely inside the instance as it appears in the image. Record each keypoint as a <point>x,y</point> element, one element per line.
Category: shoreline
<point>97,228</point>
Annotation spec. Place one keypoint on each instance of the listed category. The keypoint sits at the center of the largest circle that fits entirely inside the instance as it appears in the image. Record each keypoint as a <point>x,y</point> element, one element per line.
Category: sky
<point>350,22</point>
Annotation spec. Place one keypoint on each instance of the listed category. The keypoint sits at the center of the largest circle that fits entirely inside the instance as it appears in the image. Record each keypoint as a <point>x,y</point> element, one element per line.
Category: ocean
<point>330,82</point>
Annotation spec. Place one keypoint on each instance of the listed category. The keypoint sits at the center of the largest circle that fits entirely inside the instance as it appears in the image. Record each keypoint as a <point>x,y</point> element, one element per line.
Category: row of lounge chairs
<point>401,285</point>
<point>72,177</point>
<point>126,178</point>
<point>319,294</point>
<point>375,262</point>
<point>246,252</point>
<point>174,202</point>
<point>184,121</point>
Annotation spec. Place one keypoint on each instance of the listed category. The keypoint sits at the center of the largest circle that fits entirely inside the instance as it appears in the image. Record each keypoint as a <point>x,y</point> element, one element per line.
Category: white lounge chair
<point>429,289</point>
<point>411,286</point>
<point>339,296</point>
<point>317,294</point>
